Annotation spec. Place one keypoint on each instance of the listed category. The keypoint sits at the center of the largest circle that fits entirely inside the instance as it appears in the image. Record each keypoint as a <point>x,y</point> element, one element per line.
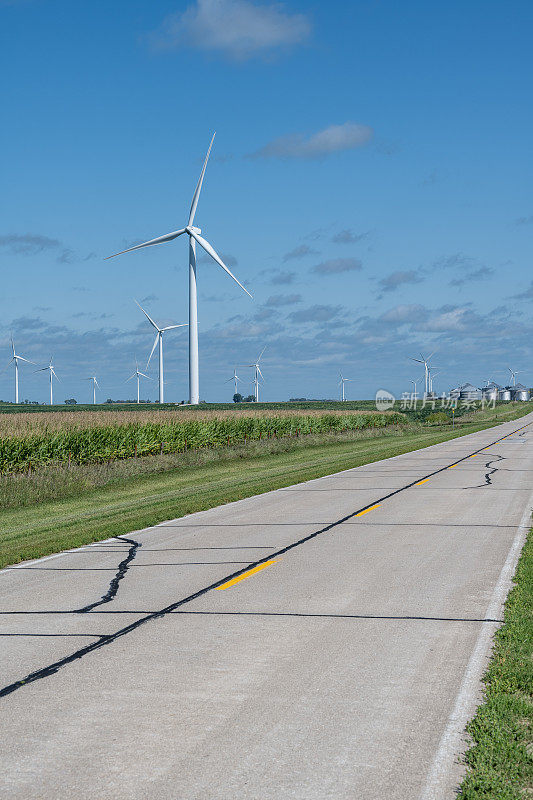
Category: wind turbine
<point>159,340</point>
<point>194,238</point>
<point>414,384</point>
<point>235,378</point>
<point>95,384</point>
<point>514,373</point>
<point>341,384</point>
<point>257,373</point>
<point>53,375</point>
<point>16,359</point>
<point>431,377</point>
<point>139,376</point>
<point>427,377</point>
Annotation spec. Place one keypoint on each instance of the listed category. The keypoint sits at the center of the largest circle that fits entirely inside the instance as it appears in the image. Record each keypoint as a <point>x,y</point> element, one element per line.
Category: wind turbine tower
<point>257,373</point>
<point>159,340</point>
<point>427,373</point>
<point>95,384</point>
<point>53,375</point>
<point>195,238</point>
<point>235,378</point>
<point>514,373</point>
<point>341,384</point>
<point>16,358</point>
<point>139,375</point>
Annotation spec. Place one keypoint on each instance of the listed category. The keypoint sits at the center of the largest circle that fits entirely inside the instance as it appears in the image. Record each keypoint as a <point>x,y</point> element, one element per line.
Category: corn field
<point>26,445</point>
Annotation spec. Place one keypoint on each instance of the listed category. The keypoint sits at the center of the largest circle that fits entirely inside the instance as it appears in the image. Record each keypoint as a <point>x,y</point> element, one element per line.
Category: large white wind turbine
<point>235,378</point>
<point>514,373</point>
<point>139,376</point>
<point>194,238</point>
<point>53,375</point>
<point>16,358</point>
<point>427,373</point>
<point>159,341</point>
<point>257,373</point>
<point>341,384</point>
<point>95,384</point>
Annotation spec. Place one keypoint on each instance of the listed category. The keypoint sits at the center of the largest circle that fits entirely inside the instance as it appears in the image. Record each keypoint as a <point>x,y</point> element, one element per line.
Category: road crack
<point>490,472</point>
<point>115,582</point>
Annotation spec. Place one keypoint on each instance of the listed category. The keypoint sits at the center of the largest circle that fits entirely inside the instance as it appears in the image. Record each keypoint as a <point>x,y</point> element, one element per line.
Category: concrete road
<point>321,641</point>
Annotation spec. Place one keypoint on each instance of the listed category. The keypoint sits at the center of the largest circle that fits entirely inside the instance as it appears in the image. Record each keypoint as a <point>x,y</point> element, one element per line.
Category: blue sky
<point>370,183</point>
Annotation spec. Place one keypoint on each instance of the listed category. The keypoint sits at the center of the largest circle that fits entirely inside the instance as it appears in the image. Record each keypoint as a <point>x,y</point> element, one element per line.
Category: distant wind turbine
<point>235,378</point>
<point>95,384</point>
<point>432,376</point>
<point>341,384</point>
<point>53,375</point>
<point>194,238</point>
<point>427,373</point>
<point>514,373</point>
<point>414,384</point>
<point>139,375</point>
<point>257,373</point>
<point>159,340</point>
<point>16,358</point>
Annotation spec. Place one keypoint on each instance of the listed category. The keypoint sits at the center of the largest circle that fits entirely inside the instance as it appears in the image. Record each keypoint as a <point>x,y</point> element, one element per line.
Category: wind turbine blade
<point>42,369</point>
<point>214,255</point>
<point>147,316</point>
<point>27,360</point>
<point>170,327</point>
<point>159,240</point>
<point>417,360</point>
<point>9,364</point>
<point>153,348</point>
<point>13,347</point>
<point>259,371</point>
<point>132,376</point>
<point>96,382</point>
<point>144,376</point>
<point>261,354</point>
<point>198,189</point>
<point>53,373</point>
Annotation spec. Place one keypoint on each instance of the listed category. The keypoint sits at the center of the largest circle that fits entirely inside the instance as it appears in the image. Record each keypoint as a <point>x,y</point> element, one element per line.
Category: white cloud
<point>333,139</point>
<point>238,29</point>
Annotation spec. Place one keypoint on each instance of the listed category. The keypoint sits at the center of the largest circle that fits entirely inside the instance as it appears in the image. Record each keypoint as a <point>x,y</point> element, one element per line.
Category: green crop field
<point>27,444</point>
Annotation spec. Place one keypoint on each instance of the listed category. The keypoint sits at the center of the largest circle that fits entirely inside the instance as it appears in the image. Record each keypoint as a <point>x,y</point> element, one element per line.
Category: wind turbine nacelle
<point>192,228</point>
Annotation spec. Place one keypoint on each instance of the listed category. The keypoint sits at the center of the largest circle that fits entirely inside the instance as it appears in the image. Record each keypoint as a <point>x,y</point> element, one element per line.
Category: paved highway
<point>320,641</point>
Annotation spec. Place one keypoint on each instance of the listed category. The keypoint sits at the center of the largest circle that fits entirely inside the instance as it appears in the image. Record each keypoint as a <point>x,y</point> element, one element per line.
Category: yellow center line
<point>245,575</point>
<point>421,482</point>
<point>360,514</point>
<point>475,454</point>
<point>452,466</point>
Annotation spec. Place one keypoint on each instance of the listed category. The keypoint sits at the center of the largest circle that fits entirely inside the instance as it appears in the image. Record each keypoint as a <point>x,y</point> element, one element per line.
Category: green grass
<point>143,500</point>
<point>500,763</point>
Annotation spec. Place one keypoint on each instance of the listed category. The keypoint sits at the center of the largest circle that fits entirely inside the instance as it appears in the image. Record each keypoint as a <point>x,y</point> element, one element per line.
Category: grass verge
<point>137,502</point>
<point>500,762</point>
